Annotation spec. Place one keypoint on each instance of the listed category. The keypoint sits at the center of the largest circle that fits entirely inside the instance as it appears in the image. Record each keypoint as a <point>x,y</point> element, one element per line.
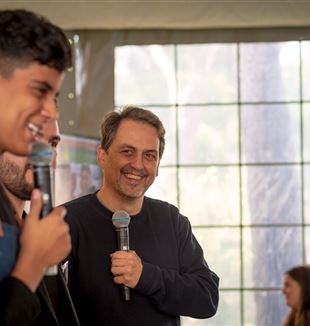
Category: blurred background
<point>231,82</point>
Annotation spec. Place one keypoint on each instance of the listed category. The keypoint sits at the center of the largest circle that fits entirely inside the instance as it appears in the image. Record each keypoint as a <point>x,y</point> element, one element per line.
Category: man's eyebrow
<point>43,83</point>
<point>127,145</point>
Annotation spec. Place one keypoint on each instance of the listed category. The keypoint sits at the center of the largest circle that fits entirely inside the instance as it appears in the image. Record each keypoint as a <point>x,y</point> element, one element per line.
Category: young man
<point>16,174</point>
<point>33,57</point>
<point>165,268</point>
<point>17,178</point>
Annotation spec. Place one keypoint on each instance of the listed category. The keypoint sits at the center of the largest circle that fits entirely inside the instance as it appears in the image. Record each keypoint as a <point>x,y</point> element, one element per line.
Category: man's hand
<point>126,267</point>
<point>43,242</point>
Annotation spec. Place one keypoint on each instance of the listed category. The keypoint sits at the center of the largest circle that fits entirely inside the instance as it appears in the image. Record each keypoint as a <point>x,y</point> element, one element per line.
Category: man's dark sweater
<point>175,279</point>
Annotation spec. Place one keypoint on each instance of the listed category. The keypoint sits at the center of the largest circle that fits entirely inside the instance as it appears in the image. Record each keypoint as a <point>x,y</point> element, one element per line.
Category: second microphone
<point>121,220</point>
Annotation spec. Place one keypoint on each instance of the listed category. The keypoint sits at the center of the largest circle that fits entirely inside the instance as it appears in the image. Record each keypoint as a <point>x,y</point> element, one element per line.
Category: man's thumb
<point>36,204</point>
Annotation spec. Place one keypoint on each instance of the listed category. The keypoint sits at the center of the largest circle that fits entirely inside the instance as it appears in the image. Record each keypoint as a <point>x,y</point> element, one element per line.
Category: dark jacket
<point>50,305</point>
<point>56,304</point>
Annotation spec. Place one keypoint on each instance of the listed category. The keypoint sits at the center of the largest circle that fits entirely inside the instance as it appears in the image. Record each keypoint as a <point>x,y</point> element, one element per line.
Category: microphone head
<point>121,219</point>
<point>41,154</point>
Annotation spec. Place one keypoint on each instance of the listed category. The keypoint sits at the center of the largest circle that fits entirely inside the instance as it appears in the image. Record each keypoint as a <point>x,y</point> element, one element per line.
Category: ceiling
<point>161,14</point>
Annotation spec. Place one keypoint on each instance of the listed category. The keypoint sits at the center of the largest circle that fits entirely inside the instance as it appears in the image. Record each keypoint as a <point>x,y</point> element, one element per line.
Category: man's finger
<point>36,204</point>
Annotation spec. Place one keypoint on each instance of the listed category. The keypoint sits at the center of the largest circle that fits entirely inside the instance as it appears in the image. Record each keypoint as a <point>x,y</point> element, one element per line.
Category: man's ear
<point>157,169</point>
<point>101,155</point>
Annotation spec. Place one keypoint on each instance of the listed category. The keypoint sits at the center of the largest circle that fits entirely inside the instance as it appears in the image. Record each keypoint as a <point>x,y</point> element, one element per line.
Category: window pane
<point>167,116</point>
<point>203,192</point>
<point>269,71</point>
<point>228,313</point>
<point>144,75</point>
<point>264,308</point>
<point>270,133</point>
<point>307,237</point>
<point>207,73</point>
<point>208,135</point>
<point>268,253</point>
<point>307,192</point>
<point>271,194</point>
<point>221,248</point>
<point>164,186</point>
<point>306,69</point>
<point>306,131</point>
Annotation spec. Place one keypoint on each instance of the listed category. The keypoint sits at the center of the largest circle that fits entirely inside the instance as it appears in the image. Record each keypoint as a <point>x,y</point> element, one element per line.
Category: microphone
<point>121,220</point>
<point>40,160</point>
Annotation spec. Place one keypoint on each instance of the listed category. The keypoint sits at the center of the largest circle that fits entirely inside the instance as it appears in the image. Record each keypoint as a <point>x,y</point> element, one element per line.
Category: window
<point>237,160</point>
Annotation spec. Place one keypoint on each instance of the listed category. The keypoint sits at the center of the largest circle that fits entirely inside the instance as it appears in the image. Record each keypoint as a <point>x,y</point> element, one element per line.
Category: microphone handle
<point>125,292</point>
<point>42,180</point>
<point>123,244</point>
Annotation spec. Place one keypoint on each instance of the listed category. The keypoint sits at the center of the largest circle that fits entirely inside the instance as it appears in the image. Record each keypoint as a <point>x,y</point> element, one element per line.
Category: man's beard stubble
<point>13,178</point>
<point>132,194</point>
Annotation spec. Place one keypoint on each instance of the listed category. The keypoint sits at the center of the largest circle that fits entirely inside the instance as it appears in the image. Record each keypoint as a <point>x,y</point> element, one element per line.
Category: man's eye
<point>127,151</point>
<point>151,156</point>
<point>41,91</point>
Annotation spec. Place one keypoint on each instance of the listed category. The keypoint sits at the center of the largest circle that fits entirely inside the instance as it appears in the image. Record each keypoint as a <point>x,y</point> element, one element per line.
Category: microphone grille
<point>41,153</point>
<point>121,219</point>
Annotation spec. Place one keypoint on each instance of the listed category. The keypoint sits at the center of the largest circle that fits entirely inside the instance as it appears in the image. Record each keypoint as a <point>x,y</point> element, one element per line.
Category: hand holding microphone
<point>40,160</point>
<point>126,264</point>
<point>43,242</point>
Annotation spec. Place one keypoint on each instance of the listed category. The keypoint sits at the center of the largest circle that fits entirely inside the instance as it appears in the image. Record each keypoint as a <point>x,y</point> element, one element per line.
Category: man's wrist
<point>29,271</point>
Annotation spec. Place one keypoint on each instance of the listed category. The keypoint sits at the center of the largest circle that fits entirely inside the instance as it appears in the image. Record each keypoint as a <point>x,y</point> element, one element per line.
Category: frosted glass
<point>269,71</point>
<point>208,135</point>
<point>210,195</point>
<point>207,73</point>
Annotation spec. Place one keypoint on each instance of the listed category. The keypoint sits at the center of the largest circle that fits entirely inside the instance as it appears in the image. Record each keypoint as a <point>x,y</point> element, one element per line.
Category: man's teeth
<point>34,129</point>
<point>132,176</point>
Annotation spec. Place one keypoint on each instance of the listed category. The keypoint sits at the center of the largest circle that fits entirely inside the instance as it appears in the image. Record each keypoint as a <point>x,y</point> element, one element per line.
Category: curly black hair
<point>26,37</point>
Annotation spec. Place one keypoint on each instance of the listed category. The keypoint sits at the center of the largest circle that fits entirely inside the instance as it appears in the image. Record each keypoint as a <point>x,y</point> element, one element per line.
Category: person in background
<point>17,179</point>
<point>296,289</point>
<point>34,55</point>
<point>86,182</point>
<point>165,268</point>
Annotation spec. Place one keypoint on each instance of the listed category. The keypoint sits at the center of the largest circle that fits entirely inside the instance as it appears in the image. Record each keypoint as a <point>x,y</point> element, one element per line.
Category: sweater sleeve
<point>18,305</point>
<point>192,290</point>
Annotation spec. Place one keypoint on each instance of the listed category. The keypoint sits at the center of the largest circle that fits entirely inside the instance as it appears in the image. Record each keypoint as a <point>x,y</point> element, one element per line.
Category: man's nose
<point>137,162</point>
<point>50,110</point>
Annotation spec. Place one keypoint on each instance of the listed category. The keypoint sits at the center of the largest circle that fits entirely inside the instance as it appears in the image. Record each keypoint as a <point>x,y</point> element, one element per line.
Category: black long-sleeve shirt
<point>50,305</point>
<point>18,305</point>
<point>175,280</point>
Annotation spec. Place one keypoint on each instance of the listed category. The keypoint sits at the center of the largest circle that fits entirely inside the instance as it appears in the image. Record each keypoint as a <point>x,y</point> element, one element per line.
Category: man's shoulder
<point>166,213</point>
<point>160,205</point>
<point>80,206</point>
<point>80,201</point>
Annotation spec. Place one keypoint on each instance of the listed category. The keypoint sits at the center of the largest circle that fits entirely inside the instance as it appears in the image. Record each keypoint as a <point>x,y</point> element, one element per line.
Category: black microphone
<point>121,220</point>
<point>40,160</point>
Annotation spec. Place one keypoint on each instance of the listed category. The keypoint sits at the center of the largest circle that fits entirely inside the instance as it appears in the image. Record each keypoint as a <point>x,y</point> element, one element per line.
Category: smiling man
<point>17,178</point>
<point>165,270</point>
<point>33,57</point>
<point>16,174</point>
